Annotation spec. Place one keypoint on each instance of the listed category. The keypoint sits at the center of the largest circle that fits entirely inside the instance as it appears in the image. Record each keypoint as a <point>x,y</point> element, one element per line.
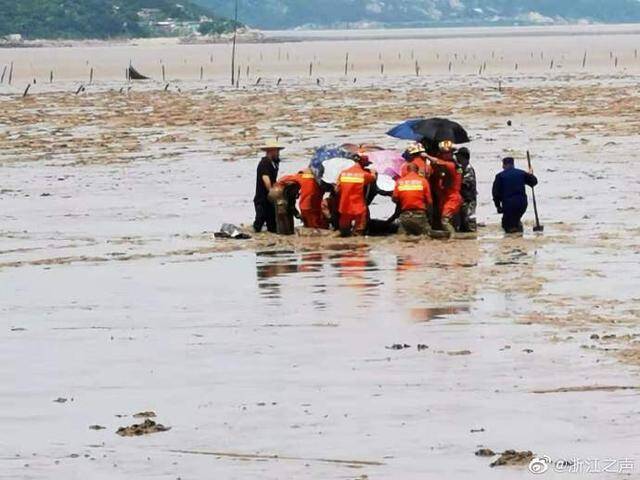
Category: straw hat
<point>272,144</point>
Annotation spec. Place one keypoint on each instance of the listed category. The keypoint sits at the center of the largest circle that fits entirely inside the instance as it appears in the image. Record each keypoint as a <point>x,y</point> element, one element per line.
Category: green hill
<point>101,19</point>
<point>282,14</point>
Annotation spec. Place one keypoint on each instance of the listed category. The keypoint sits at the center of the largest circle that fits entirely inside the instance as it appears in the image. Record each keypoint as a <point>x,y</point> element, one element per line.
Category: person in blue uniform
<point>509,194</point>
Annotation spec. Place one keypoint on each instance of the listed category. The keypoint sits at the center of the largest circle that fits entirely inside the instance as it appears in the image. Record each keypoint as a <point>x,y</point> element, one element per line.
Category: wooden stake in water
<point>233,50</point>
<point>584,60</point>
<point>26,91</point>
<point>551,65</point>
<point>201,73</point>
<point>616,63</point>
<point>163,74</point>
<point>500,86</point>
<point>51,76</point>
<point>91,76</point>
<point>382,69</point>
<point>4,71</point>
<point>417,69</point>
<point>310,69</point>
<point>11,74</point>
<point>450,66</point>
<point>346,65</point>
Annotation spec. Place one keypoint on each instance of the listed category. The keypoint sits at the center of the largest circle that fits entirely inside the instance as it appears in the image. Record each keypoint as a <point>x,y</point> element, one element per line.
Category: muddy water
<point>311,357</point>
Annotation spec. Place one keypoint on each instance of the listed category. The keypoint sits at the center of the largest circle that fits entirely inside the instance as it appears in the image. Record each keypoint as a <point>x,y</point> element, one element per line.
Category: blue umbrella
<point>324,153</point>
<point>406,130</point>
<point>430,130</point>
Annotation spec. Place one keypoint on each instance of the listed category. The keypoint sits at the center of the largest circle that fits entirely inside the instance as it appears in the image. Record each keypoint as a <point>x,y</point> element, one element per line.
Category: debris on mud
<point>459,352</point>
<point>230,231</point>
<point>149,414</point>
<point>589,388</point>
<point>421,347</point>
<point>485,452</point>
<point>146,428</point>
<point>60,400</point>
<point>97,427</point>
<point>398,346</point>
<point>510,458</point>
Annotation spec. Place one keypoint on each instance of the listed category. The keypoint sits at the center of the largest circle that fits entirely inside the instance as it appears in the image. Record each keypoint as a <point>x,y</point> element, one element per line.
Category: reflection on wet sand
<point>430,280</point>
<point>351,268</point>
<point>272,265</point>
<point>357,269</point>
<point>426,314</point>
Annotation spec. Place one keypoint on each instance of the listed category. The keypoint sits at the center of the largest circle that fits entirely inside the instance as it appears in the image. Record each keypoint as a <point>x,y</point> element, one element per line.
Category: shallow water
<point>290,354</point>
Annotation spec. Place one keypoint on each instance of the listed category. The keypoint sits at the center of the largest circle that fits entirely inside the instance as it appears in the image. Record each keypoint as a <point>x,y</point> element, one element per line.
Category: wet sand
<point>313,357</point>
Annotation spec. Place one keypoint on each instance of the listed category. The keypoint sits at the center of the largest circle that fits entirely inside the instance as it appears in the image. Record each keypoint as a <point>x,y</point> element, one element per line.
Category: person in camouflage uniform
<point>413,197</point>
<point>469,192</point>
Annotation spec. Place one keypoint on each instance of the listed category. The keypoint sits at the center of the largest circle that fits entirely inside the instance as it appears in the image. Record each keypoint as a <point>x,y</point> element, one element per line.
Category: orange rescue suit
<point>352,184</point>
<point>448,184</point>
<point>423,168</point>
<point>351,188</point>
<point>412,192</point>
<point>310,198</point>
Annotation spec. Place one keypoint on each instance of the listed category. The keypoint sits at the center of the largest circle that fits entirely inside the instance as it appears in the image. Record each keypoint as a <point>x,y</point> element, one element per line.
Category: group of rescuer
<point>435,194</point>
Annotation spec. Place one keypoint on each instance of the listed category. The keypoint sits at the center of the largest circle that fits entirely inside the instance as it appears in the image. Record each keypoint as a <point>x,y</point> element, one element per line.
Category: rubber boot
<point>447,226</point>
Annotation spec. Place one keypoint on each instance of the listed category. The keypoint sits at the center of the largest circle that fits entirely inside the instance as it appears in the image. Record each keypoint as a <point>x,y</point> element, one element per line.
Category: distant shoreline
<point>295,36</point>
<point>450,32</point>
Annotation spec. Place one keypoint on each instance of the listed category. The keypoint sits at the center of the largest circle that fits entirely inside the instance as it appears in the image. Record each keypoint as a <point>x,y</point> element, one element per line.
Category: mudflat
<point>306,356</point>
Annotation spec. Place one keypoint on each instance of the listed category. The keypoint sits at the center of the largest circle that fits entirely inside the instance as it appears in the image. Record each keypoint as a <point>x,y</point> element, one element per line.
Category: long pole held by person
<point>233,51</point>
<point>537,227</point>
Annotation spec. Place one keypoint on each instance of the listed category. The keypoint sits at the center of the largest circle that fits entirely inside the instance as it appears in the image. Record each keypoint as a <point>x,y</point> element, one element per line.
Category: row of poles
<point>8,70</point>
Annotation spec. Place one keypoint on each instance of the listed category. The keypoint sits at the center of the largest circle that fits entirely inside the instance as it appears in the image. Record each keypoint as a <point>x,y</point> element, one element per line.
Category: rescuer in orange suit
<point>310,204</point>
<point>413,196</point>
<point>351,190</point>
<point>415,154</point>
<point>447,182</point>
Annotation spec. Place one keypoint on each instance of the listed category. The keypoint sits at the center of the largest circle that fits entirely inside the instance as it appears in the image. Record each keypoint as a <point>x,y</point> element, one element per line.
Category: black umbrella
<point>436,130</point>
